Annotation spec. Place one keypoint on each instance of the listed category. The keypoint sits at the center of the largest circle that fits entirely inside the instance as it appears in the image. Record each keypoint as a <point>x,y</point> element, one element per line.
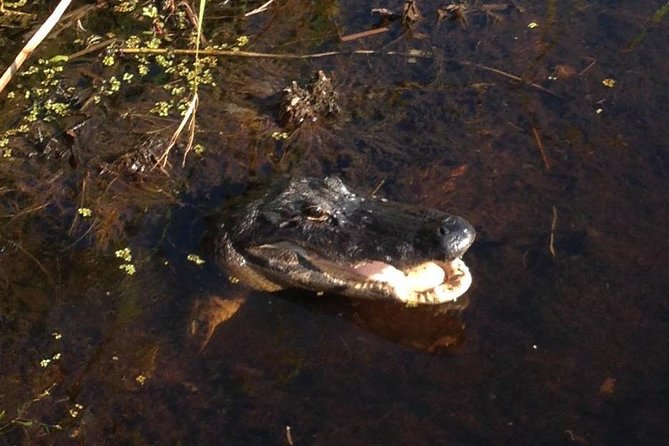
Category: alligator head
<point>317,234</point>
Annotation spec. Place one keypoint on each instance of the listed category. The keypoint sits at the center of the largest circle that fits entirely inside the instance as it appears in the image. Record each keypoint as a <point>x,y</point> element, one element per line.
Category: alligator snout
<point>456,235</point>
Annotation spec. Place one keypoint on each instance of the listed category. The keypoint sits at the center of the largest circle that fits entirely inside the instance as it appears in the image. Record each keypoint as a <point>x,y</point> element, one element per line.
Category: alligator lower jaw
<point>431,282</point>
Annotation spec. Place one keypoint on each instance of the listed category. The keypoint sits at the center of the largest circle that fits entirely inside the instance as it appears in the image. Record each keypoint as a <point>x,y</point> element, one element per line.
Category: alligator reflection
<point>432,328</point>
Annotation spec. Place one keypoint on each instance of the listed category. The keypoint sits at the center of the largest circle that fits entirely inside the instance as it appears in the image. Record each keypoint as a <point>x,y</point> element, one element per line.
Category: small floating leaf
<point>85,212</point>
<point>124,254</point>
<point>195,259</point>
<point>609,83</point>
<point>58,59</point>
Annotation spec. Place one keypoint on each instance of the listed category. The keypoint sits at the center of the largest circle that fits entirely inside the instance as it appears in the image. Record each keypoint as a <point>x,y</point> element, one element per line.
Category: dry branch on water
<point>410,53</point>
<point>551,242</point>
<point>540,146</point>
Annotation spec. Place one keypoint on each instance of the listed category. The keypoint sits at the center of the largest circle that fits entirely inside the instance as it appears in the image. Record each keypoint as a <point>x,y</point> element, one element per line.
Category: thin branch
<point>362,34</point>
<point>551,243</point>
<point>259,9</point>
<point>592,63</point>
<point>92,48</point>
<point>540,145</point>
<point>191,130</point>
<point>508,75</point>
<point>226,53</point>
<point>411,53</point>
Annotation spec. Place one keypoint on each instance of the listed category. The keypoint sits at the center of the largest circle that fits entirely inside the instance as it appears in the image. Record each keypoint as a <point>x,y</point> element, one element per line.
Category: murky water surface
<point>565,338</point>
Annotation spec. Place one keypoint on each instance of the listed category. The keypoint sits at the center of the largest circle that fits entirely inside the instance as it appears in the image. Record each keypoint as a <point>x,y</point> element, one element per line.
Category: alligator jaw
<point>430,282</point>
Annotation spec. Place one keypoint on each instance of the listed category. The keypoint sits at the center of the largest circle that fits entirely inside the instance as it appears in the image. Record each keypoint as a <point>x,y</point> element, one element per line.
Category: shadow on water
<point>564,338</point>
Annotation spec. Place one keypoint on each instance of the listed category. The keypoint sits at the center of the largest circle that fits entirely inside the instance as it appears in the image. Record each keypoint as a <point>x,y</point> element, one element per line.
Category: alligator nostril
<point>451,225</point>
<point>456,235</point>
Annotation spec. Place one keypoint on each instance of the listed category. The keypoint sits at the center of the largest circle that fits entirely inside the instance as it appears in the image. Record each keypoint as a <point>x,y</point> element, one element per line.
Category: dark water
<point>562,347</point>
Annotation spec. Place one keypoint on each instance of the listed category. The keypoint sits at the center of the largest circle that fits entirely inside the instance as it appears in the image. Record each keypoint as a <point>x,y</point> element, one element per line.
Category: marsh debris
<point>137,161</point>
<point>458,12</point>
<point>410,13</point>
<point>452,13</point>
<point>386,14</point>
<point>318,99</point>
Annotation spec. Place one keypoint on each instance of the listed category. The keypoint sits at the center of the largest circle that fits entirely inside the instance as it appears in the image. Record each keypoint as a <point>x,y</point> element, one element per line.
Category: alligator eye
<point>315,213</point>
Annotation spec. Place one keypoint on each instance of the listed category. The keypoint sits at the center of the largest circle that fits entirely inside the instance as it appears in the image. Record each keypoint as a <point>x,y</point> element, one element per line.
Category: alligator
<point>318,234</point>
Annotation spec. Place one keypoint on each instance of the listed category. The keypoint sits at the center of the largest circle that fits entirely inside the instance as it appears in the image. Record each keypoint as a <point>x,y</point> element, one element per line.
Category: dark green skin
<point>306,232</point>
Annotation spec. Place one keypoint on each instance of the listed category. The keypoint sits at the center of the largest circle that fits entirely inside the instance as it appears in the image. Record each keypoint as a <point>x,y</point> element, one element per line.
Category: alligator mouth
<point>431,282</point>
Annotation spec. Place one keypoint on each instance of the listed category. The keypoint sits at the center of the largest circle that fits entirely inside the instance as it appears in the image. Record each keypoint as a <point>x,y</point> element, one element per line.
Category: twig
<point>411,53</point>
<point>192,108</point>
<point>91,49</point>
<point>34,41</point>
<point>261,8</point>
<point>162,161</point>
<point>592,63</point>
<point>540,145</point>
<point>508,75</point>
<point>289,437</point>
<point>226,53</point>
<point>191,129</point>
<point>251,54</point>
<point>377,188</point>
<point>362,34</point>
<point>551,244</point>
